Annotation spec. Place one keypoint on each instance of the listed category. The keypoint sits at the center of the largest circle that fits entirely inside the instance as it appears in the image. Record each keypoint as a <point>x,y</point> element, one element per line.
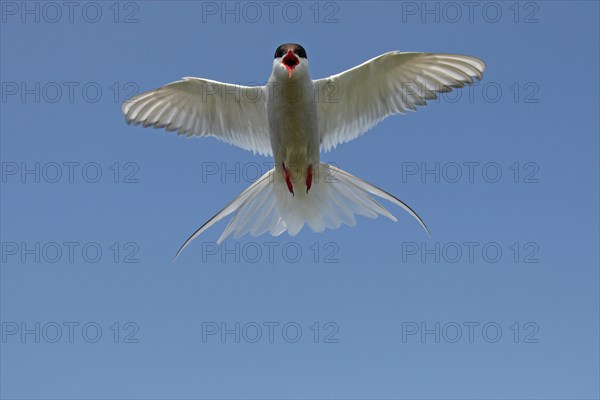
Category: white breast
<point>293,123</point>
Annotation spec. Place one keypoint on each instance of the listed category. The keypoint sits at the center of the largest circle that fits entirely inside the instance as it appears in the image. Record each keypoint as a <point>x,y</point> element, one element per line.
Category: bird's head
<point>290,61</point>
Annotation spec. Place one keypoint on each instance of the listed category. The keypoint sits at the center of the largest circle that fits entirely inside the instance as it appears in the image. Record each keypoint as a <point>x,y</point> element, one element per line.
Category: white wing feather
<point>355,100</point>
<point>200,107</point>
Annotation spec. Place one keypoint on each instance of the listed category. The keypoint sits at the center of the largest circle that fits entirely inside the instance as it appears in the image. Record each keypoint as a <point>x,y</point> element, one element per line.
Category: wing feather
<point>200,107</point>
<point>392,83</point>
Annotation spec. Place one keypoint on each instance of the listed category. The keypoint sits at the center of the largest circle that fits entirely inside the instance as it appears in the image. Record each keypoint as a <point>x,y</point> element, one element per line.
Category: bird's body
<point>294,118</point>
<point>293,124</point>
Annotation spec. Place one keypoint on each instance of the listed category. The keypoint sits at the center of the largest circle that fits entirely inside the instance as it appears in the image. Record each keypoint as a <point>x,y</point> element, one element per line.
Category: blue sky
<point>501,302</point>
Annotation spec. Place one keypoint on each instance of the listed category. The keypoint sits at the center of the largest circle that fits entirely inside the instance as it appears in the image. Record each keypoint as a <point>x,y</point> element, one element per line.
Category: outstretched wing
<point>354,101</point>
<point>200,107</point>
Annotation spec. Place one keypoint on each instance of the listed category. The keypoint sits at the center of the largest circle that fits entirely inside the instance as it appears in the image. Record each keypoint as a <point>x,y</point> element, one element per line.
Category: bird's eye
<point>301,52</point>
<point>280,52</point>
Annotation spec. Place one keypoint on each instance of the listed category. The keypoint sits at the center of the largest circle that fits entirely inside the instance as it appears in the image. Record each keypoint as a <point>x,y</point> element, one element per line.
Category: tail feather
<point>234,206</point>
<point>384,195</point>
<point>335,198</point>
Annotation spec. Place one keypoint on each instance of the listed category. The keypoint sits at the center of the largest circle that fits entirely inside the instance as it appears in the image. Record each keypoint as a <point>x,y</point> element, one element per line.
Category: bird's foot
<point>288,181</point>
<point>309,178</point>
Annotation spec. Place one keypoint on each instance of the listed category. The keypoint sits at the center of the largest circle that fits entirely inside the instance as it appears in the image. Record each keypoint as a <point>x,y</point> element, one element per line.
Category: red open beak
<point>290,61</point>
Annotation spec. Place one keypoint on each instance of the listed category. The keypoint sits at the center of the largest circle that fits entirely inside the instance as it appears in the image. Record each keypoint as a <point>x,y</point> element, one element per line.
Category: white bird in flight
<point>293,119</point>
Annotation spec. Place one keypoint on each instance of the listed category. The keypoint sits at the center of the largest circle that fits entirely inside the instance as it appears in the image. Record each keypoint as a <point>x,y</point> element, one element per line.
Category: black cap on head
<point>296,48</point>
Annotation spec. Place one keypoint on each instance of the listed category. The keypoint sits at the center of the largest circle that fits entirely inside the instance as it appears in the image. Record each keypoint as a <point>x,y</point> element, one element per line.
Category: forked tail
<point>335,198</point>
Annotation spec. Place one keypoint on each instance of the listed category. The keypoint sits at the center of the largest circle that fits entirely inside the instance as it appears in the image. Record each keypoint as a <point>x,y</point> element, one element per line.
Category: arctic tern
<point>293,119</point>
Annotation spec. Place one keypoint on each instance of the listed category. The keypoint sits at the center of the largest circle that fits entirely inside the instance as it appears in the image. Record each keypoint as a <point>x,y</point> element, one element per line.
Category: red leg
<point>288,181</point>
<point>309,178</point>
